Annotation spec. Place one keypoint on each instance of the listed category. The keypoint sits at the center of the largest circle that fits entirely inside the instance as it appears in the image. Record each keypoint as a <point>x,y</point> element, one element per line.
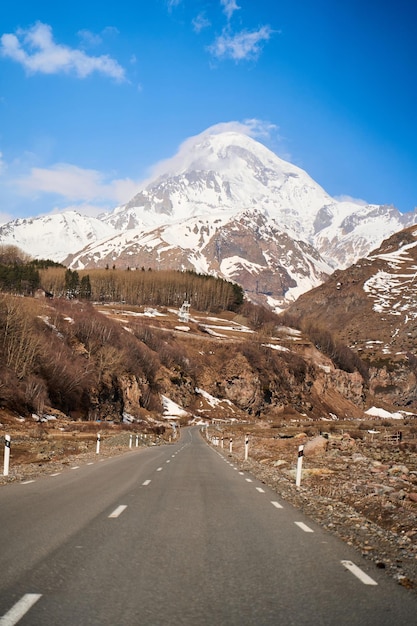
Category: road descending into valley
<point>177,535</point>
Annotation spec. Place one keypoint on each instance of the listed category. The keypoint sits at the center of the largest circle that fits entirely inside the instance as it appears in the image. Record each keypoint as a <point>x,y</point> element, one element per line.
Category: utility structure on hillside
<point>184,312</point>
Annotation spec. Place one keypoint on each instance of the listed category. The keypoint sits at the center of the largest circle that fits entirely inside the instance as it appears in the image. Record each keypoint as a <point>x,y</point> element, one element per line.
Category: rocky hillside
<point>125,363</point>
<point>371,308</point>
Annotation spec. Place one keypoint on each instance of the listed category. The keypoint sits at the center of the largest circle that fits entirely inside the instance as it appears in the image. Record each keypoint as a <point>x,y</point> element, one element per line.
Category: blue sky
<point>94,95</point>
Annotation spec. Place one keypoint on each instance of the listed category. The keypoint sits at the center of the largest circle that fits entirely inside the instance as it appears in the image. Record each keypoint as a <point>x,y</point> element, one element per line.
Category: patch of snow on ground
<point>172,409</point>
<point>275,347</point>
<point>377,412</point>
<point>150,312</point>
<point>289,331</point>
<point>48,323</point>
<point>209,330</point>
<point>212,401</point>
<point>238,328</point>
<point>391,293</point>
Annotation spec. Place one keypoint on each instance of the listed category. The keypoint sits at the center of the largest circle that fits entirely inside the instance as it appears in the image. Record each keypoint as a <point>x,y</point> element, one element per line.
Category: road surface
<point>177,535</point>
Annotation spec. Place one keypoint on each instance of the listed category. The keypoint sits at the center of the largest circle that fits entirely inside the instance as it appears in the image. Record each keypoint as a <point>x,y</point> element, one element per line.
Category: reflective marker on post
<point>6,455</point>
<point>299,465</point>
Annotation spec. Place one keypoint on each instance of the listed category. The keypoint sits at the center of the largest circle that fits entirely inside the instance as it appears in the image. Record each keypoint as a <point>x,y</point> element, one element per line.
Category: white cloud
<point>76,184</point>
<point>240,46</point>
<point>346,198</point>
<point>5,217</point>
<point>36,51</point>
<point>251,127</point>
<point>173,3</point>
<point>89,38</point>
<point>200,22</point>
<point>230,7</point>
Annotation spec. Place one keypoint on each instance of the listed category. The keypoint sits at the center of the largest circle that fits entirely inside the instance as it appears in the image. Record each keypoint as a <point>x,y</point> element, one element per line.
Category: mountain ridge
<point>212,208</point>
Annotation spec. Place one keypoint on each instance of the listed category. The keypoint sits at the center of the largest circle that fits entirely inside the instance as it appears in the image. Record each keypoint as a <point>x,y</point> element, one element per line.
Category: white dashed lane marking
<point>260,489</point>
<point>159,469</point>
<point>356,571</point>
<point>19,609</point>
<point>118,510</point>
<point>146,483</point>
<point>27,482</point>
<point>304,527</point>
<point>248,480</point>
<point>277,505</point>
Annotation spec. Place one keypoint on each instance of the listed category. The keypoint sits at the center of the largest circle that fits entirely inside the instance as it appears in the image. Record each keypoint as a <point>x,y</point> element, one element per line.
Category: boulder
<point>316,446</point>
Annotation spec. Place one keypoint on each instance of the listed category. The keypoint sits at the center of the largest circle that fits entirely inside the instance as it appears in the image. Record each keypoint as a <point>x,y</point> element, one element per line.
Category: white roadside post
<point>130,441</point>
<point>299,466</point>
<point>137,440</point>
<point>230,445</point>
<point>6,455</point>
<point>221,443</point>
<point>246,446</point>
<point>98,444</point>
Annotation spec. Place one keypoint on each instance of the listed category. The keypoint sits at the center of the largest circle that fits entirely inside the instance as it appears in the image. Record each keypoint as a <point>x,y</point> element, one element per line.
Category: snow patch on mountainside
<point>393,292</point>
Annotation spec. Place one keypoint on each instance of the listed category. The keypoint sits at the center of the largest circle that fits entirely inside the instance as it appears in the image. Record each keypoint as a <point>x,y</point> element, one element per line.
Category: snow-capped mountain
<point>232,172</point>
<point>54,236</point>
<point>226,205</point>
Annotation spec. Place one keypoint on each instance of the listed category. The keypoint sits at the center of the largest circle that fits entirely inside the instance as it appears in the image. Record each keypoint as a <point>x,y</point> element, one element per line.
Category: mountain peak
<point>227,205</point>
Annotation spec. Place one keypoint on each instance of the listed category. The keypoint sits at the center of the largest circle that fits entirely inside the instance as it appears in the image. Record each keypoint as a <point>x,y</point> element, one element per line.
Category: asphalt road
<point>177,535</point>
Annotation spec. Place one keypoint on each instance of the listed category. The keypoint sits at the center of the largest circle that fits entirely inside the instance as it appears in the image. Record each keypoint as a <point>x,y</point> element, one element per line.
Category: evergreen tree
<point>85,287</point>
<point>72,282</point>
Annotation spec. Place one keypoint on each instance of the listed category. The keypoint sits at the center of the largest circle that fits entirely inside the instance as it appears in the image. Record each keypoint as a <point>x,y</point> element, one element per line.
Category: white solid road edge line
<point>118,510</point>
<point>304,527</point>
<point>356,571</point>
<point>19,609</point>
